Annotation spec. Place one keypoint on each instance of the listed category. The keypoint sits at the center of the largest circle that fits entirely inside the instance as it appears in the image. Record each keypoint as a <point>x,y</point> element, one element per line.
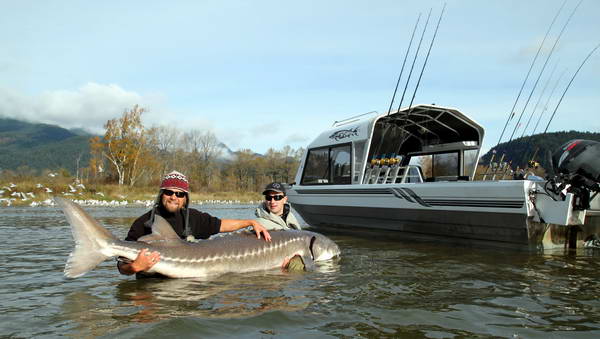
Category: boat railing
<point>393,173</point>
<point>351,119</point>
<point>500,171</point>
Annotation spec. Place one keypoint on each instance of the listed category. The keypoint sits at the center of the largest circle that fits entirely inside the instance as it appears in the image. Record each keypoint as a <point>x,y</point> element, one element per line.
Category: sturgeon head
<point>323,248</point>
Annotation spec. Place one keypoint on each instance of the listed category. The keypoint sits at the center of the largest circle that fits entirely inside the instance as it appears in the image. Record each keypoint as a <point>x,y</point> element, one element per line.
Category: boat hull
<point>454,211</point>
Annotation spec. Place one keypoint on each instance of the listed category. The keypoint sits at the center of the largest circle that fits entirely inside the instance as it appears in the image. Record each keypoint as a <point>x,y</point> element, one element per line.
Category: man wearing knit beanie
<point>189,223</point>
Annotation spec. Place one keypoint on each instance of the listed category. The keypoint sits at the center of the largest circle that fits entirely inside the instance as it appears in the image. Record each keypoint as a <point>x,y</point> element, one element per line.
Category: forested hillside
<point>41,146</point>
<point>130,154</point>
<point>521,150</point>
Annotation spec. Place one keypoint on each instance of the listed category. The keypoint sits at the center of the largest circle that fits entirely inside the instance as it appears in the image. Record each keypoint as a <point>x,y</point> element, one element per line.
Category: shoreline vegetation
<point>126,165</point>
<point>41,191</point>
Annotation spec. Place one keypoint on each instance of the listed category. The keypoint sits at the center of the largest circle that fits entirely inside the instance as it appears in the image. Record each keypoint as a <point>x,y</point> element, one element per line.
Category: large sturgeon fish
<point>239,252</point>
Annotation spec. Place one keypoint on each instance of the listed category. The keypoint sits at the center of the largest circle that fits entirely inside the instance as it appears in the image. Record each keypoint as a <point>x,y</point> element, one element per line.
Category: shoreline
<point>28,194</point>
<point>49,202</point>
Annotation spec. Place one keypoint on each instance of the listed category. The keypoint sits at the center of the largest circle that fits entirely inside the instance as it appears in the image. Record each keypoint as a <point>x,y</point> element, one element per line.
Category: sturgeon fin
<point>91,239</point>
<point>162,234</point>
<point>307,264</point>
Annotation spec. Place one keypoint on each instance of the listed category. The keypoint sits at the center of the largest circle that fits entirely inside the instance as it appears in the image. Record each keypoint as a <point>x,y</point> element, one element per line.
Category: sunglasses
<point>169,193</point>
<point>276,197</point>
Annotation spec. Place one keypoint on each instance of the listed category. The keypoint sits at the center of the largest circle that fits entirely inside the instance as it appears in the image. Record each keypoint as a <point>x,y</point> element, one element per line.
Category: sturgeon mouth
<point>310,247</point>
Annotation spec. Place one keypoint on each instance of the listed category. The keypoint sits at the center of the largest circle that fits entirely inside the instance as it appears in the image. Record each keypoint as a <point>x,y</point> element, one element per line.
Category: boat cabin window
<point>329,165</point>
<point>438,167</point>
<point>445,166</point>
<point>470,161</point>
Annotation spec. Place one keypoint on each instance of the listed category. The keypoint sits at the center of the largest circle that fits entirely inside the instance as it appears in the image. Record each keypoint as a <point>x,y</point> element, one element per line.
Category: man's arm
<point>144,261</point>
<point>230,225</point>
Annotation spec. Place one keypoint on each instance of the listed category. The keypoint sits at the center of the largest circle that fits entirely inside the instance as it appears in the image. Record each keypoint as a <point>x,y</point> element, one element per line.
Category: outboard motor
<point>577,168</point>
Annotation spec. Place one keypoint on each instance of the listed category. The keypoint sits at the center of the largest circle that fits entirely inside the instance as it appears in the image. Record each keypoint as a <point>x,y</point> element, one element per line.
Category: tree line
<point>539,148</point>
<point>132,154</point>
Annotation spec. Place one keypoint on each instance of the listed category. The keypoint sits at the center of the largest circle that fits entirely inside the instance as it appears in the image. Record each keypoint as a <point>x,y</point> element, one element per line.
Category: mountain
<point>226,153</point>
<point>520,151</point>
<point>41,146</point>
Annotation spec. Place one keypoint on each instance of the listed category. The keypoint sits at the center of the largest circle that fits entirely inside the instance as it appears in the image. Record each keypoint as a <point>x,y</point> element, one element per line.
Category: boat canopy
<point>422,126</point>
<point>423,130</point>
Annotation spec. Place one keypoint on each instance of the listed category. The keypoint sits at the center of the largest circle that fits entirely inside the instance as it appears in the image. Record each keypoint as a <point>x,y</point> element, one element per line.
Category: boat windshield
<point>328,165</point>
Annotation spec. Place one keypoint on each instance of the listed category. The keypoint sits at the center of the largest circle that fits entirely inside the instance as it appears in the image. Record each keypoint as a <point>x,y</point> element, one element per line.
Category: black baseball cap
<point>274,187</point>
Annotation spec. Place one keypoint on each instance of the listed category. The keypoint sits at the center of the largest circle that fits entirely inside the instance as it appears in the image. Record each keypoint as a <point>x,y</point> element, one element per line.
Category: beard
<point>173,206</point>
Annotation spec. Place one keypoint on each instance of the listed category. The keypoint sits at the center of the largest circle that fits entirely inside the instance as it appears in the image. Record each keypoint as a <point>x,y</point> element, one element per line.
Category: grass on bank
<point>24,192</point>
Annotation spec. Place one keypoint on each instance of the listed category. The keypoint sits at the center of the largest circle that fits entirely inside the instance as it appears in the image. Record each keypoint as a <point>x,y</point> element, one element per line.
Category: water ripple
<point>379,288</point>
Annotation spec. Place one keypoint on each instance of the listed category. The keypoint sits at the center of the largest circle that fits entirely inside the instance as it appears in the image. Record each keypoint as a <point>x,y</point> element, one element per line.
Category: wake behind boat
<point>240,252</point>
<point>413,171</point>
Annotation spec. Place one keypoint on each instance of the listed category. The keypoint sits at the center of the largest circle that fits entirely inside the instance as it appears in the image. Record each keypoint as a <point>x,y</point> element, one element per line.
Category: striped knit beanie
<point>175,180</point>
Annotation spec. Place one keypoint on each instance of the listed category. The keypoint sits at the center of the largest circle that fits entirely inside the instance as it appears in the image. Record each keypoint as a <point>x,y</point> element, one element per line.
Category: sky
<point>265,74</point>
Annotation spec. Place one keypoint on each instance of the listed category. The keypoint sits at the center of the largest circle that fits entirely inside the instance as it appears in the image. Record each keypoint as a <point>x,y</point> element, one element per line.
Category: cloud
<point>296,138</point>
<point>89,106</point>
<point>266,129</point>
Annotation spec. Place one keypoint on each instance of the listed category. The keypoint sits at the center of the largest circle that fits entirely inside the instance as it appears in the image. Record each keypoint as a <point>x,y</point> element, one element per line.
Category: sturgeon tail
<point>91,240</point>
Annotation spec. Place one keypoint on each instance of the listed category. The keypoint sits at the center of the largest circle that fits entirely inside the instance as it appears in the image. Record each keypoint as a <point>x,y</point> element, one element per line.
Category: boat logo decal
<point>344,133</point>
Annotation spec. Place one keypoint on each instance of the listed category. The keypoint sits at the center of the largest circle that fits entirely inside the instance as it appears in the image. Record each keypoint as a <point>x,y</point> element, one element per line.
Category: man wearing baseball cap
<point>172,204</point>
<point>274,213</point>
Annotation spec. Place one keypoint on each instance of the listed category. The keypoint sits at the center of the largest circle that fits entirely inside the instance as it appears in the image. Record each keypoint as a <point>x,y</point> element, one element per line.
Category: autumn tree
<point>125,146</point>
<point>244,170</point>
<point>96,164</point>
<point>167,147</point>
<point>281,165</point>
<point>289,165</point>
<point>204,149</point>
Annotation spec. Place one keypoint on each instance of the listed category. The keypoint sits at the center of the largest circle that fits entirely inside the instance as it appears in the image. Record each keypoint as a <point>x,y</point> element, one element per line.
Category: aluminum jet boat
<point>414,171</point>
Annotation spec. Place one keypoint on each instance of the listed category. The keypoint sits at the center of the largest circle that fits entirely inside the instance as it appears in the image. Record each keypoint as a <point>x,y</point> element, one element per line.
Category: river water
<point>380,287</point>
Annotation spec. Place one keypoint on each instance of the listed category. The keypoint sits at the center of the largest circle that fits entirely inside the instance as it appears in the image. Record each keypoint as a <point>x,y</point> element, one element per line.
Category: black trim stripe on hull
<point>481,203</point>
<point>412,197</point>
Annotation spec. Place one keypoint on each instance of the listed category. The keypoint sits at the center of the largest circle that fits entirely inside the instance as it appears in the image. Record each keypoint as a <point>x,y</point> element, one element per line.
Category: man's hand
<point>230,225</point>
<point>258,228</point>
<point>145,260</point>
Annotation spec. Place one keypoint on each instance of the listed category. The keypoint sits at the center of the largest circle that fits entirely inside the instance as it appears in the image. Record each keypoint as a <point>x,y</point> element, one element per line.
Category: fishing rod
<point>548,101</point>
<point>414,59</point>
<point>407,80</point>
<point>399,77</point>
<point>517,124</point>
<point>565,92</point>
<point>530,139</point>
<point>512,111</point>
<point>426,58</point>
<point>539,99</point>
<point>404,62</point>
<point>569,85</point>
<point>424,63</point>
<point>544,67</point>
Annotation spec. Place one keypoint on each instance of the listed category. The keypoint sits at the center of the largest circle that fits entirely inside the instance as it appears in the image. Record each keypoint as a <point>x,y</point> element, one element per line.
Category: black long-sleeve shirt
<point>202,225</point>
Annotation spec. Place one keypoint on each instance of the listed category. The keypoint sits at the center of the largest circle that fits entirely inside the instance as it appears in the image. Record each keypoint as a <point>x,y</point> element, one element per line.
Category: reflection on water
<point>230,296</point>
<point>151,301</point>
<point>380,287</point>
